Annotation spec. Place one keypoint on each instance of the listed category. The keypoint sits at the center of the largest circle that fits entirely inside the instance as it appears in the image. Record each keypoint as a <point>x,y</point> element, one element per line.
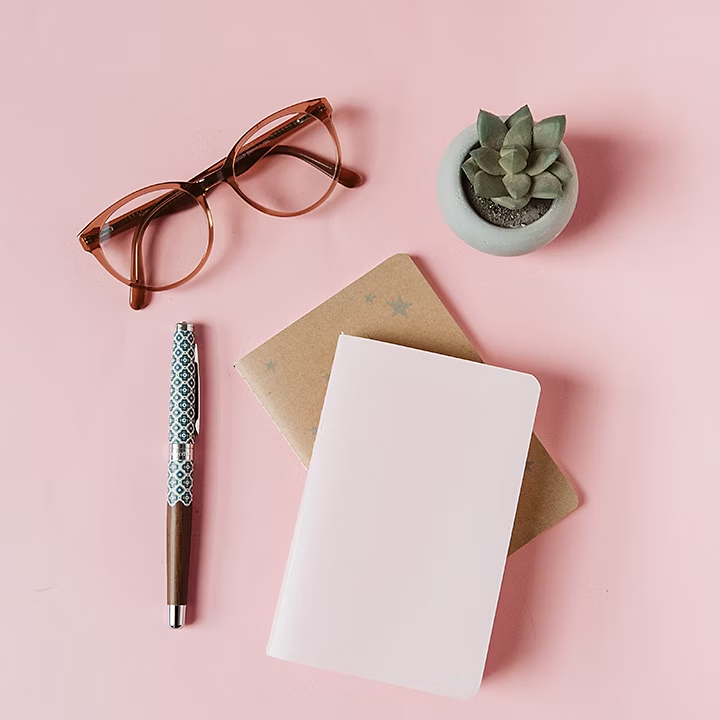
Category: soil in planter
<point>501,216</point>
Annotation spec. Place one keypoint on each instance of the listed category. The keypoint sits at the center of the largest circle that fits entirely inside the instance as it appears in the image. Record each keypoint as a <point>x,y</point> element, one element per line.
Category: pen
<point>184,427</point>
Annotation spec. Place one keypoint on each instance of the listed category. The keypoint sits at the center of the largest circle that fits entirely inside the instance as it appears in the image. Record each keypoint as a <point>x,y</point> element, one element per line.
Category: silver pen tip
<point>184,326</point>
<point>176,616</point>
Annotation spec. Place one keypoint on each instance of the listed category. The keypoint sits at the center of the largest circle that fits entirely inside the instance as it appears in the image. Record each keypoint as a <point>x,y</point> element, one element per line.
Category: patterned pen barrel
<point>184,426</point>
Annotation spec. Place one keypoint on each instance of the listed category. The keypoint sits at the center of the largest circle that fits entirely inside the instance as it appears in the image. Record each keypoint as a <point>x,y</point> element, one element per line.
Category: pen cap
<point>183,385</point>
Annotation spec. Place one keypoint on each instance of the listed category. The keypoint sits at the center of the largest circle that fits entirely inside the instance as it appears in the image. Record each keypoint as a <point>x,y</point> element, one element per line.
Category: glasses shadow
<point>227,208</point>
<point>355,129</point>
<point>354,126</point>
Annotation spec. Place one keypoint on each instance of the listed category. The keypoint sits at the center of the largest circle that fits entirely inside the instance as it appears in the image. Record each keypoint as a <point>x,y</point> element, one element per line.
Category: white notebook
<point>400,545</point>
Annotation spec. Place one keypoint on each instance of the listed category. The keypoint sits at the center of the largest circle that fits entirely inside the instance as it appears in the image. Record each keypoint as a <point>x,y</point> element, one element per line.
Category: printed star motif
<point>529,464</point>
<point>270,365</point>
<point>326,377</point>
<point>369,298</point>
<point>313,430</point>
<point>399,307</point>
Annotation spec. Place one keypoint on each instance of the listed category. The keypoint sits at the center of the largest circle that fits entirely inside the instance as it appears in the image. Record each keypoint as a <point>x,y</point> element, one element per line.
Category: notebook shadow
<point>561,404</point>
<point>563,401</point>
<point>428,275</point>
<point>514,632</point>
<point>561,395</point>
<point>197,569</point>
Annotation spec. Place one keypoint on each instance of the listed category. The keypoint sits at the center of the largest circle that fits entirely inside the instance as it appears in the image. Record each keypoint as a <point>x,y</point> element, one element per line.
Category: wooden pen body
<point>179,532</point>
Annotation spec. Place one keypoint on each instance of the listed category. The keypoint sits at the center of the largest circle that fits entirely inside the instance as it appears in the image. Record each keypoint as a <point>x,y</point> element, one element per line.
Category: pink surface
<point>610,614</point>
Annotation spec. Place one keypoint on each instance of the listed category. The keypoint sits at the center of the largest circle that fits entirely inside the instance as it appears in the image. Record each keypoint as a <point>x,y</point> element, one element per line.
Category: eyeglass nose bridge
<point>211,180</point>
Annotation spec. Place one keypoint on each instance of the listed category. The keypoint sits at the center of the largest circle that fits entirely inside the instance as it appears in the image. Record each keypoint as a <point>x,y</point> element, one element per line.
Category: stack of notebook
<point>416,453</point>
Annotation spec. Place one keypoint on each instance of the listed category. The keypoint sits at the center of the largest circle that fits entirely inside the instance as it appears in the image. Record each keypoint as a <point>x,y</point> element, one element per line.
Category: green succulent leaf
<point>513,162</point>
<point>523,112</point>
<point>505,149</point>
<point>487,160</point>
<point>546,185</point>
<point>491,130</point>
<point>540,160</point>
<point>561,171</point>
<point>517,185</point>
<point>512,203</point>
<point>548,133</point>
<point>521,133</point>
<point>470,168</point>
<point>488,186</point>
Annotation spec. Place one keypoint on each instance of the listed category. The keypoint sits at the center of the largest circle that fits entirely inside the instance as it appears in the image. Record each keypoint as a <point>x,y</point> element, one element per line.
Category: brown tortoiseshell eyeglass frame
<point>181,195</point>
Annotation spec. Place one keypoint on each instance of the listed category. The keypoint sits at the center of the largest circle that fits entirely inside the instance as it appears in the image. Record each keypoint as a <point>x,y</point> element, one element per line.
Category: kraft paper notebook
<point>401,539</point>
<point>394,303</point>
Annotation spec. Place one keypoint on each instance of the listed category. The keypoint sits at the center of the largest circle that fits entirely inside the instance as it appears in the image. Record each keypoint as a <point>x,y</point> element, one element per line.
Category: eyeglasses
<point>161,236</point>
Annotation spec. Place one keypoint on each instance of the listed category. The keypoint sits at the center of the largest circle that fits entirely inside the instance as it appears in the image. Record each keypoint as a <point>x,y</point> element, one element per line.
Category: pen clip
<point>197,391</point>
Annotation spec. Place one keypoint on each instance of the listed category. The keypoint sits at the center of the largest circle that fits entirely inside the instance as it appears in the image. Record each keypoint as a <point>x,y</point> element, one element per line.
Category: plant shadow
<point>604,177</point>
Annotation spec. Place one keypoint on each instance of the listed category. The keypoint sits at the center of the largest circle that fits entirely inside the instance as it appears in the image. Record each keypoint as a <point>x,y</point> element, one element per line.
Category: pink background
<point>610,614</point>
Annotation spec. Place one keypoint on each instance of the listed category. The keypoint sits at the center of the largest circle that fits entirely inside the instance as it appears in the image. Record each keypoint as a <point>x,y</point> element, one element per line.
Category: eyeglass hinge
<point>320,111</point>
<point>91,239</point>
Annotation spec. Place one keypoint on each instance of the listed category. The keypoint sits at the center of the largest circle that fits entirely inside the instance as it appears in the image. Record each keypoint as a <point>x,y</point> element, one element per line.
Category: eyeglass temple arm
<point>268,144</point>
<point>139,296</point>
<point>171,202</point>
<point>346,177</point>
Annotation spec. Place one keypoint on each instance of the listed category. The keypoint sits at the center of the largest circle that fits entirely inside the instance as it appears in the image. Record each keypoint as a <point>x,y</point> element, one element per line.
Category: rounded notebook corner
<point>537,387</point>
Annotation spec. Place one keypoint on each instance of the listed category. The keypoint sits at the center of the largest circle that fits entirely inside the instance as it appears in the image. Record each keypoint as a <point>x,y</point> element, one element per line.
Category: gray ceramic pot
<point>479,233</point>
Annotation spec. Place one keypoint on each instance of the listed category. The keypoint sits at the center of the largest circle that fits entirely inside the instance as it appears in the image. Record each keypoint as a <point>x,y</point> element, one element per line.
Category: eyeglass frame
<point>223,171</point>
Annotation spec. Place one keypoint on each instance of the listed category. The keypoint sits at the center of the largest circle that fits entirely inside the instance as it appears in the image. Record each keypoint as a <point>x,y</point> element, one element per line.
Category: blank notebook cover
<point>400,545</point>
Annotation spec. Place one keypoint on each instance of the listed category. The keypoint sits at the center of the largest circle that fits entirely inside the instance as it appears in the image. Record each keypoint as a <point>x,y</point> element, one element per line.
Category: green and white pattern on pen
<point>180,482</point>
<point>183,392</point>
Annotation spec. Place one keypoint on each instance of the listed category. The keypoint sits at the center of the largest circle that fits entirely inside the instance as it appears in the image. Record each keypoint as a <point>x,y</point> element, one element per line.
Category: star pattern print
<point>399,306</point>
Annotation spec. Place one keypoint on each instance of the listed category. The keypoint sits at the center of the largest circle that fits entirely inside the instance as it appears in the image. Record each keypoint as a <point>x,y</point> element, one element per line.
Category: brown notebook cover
<point>393,303</point>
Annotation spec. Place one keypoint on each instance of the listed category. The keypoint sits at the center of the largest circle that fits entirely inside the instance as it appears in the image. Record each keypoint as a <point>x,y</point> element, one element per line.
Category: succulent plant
<point>518,159</point>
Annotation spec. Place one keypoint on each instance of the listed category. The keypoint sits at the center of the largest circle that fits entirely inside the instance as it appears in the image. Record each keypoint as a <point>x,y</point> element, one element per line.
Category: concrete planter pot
<point>479,233</point>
